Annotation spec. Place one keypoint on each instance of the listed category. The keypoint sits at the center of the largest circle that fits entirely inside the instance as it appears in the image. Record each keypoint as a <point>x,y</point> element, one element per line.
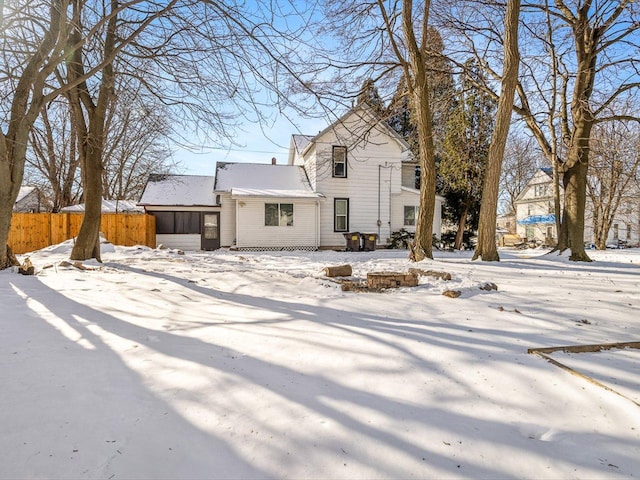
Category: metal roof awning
<point>536,219</point>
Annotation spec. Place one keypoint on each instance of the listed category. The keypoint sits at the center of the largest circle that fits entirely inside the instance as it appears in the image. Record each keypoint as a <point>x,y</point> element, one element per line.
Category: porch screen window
<point>278,214</point>
<point>410,215</point>
<point>177,222</point>
<point>339,161</point>
<point>341,214</point>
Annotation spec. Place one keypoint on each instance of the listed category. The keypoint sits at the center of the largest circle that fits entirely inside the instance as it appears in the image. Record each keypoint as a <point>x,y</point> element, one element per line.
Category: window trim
<point>333,161</point>
<point>279,206</point>
<point>335,215</point>
<point>415,215</point>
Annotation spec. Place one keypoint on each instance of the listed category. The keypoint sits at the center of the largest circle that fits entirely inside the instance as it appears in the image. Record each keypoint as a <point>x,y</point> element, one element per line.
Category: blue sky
<point>256,145</point>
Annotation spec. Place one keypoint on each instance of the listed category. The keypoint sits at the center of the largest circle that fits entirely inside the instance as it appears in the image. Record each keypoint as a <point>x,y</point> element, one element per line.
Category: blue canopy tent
<point>537,219</point>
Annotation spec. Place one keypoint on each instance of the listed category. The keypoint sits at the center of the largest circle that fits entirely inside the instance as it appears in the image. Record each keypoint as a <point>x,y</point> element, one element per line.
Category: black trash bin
<point>369,241</point>
<point>353,241</point>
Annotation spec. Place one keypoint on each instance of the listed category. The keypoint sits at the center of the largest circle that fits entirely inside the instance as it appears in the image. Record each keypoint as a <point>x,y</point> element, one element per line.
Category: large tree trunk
<point>423,245</point>
<point>26,103</point>
<point>88,241</point>
<point>486,248</point>
<point>575,185</point>
<point>462,225</point>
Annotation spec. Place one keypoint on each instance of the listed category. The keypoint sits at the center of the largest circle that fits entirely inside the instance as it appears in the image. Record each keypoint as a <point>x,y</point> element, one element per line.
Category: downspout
<point>390,178</point>
<point>317,224</point>
<point>379,222</point>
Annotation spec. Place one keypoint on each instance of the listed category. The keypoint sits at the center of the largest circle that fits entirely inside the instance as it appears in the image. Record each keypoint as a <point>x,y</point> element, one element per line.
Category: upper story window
<point>339,161</point>
<point>541,190</point>
<point>278,214</point>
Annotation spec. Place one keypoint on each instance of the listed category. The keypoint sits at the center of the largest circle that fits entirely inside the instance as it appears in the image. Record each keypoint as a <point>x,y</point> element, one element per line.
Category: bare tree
<point>520,163</point>
<point>52,162</point>
<point>612,175</point>
<point>486,248</point>
<point>384,41</point>
<point>32,41</point>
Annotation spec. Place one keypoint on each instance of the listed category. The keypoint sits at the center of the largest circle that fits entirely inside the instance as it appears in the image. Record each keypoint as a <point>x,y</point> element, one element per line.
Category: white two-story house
<point>357,175</point>
<point>535,217</point>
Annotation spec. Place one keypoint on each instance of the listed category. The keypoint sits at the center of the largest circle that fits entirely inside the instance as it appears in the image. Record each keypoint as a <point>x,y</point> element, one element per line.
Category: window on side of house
<point>164,222</point>
<point>187,222</point>
<point>339,161</point>
<point>410,215</point>
<point>177,222</point>
<point>278,214</point>
<point>341,214</point>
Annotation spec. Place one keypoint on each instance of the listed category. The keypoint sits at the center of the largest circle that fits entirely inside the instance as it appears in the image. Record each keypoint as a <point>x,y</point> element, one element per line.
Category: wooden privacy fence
<point>33,231</point>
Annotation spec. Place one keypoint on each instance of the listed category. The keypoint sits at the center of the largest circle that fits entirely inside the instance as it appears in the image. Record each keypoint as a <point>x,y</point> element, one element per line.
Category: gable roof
<point>261,179</point>
<point>25,191</point>
<point>179,190</point>
<point>543,175</point>
<point>302,143</point>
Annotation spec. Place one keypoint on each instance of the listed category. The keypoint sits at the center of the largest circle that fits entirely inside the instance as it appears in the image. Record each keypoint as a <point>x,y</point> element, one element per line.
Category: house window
<point>616,231</point>
<point>410,215</point>
<point>341,214</point>
<point>529,232</point>
<point>551,208</point>
<point>278,214</point>
<point>540,190</point>
<point>339,161</point>
<point>177,222</point>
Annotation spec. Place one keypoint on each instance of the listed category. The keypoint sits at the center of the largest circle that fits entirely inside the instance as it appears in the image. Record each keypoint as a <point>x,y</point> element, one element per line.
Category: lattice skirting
<point>275,249</point>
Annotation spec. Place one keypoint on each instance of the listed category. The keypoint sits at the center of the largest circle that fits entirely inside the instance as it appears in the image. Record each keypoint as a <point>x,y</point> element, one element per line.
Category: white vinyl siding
<point>188,242</point>
<point>227,220</point>
<point>252,232</point>
<point>409,175</point>
<point>409,197</point>
<point>374,173</point>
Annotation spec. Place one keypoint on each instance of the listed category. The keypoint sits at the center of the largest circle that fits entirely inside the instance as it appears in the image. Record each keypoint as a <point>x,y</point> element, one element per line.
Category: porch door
<point>210,236</point>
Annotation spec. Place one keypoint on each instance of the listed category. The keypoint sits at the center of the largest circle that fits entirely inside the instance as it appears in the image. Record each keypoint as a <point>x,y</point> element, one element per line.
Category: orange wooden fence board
<point>33,231</point>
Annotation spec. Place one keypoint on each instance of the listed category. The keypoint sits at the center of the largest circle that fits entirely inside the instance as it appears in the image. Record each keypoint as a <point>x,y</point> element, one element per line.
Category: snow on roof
<point>108,206</point>
<point>24,191</point>
<point>262,180</point>
<point>254,192</point>
<point>182,190</point>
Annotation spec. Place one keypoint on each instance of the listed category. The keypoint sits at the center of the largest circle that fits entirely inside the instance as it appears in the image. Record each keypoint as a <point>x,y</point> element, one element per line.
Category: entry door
<point>210,237</point>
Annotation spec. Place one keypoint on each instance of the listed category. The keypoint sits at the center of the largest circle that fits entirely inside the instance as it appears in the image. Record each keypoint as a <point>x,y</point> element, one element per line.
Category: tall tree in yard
<point>32,39</point>
<point>578,73</point>
<point>84,45</point>
<point>388,40</point>
<point>466,147</point>
<point>486,248</point>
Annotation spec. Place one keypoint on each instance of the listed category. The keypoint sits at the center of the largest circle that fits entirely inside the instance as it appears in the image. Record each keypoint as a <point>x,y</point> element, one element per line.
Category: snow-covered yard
<point>254,365</point>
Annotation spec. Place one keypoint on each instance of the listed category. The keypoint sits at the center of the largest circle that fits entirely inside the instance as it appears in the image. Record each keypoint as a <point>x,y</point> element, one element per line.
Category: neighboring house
<point>536,219</point>
<point>506,223</point>
<point>357,175</point>
<point>28,200</point>
<point>108,206</point>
